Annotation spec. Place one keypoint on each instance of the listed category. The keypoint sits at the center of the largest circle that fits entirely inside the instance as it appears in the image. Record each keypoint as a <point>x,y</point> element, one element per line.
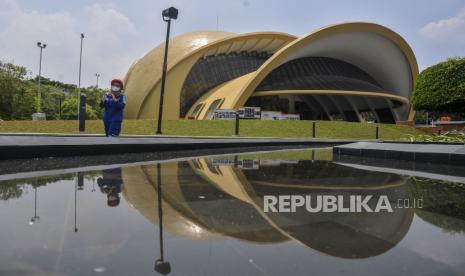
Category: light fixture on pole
<point>97,75</point>
<point>167,15</point>
<point>39,115</point>
<point>81,96</point>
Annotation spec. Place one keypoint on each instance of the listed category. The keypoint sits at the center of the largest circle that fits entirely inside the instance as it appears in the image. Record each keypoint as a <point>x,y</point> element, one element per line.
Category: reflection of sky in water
<point>439,249</point>
<point>213,223</point>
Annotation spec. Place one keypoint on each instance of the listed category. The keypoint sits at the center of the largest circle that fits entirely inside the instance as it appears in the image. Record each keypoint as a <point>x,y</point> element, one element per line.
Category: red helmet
<point>113,200</point>
<point>120,82</point>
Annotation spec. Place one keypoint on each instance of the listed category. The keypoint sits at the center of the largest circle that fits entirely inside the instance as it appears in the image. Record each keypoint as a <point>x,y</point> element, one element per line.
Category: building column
<point>349,100</point>
<point>291,104</point>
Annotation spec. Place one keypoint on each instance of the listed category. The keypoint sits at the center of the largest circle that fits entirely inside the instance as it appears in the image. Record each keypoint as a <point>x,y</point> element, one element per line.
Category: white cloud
<point>447,30</point>
<point>106,45</point>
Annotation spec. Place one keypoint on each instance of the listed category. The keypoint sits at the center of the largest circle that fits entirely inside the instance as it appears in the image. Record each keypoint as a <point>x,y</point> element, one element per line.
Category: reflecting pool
<point>206,216</point>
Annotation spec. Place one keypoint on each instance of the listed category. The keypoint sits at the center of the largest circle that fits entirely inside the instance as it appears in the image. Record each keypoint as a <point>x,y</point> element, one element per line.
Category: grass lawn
<point>291,155</point>
<point>251,128</point>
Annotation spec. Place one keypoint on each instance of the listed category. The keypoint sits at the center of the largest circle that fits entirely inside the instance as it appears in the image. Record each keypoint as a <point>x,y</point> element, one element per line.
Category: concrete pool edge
<point>21,146</point>
<point>446,154</point>
<point>29,168</point>
<point>43,146</point>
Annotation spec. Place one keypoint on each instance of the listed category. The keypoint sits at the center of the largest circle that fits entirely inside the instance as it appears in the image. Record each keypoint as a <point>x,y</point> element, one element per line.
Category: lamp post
<point>39,96</point>
<point>97,75</point>
<point>81,97</point>
<point>167,15</point>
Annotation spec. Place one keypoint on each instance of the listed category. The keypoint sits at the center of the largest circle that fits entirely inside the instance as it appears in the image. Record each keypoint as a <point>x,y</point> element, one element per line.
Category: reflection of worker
<point>113,103</point>
<point>111,184</point>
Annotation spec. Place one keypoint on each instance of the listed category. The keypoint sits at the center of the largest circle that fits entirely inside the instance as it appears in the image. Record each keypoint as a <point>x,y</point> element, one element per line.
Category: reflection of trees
<point>443,202</point>
<point>14,188</point>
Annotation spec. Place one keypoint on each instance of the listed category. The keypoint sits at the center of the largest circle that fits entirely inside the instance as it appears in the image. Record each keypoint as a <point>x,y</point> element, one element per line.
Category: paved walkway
<point>33,146</point>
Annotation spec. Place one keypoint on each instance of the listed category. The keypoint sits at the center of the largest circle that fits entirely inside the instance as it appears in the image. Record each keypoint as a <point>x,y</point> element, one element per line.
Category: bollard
<point>377,132</point>
<point>82,112</point>
<point>237,124</point>
<point>313,129</point>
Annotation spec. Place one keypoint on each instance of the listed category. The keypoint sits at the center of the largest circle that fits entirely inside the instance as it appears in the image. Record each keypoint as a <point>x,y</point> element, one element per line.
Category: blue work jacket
<point>113,110</point>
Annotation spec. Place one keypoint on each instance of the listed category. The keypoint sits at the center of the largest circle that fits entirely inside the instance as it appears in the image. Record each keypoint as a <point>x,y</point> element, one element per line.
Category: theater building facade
<point>352,71</point>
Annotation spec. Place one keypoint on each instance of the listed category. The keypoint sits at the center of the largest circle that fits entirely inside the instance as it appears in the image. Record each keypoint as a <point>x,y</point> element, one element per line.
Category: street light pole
<point>81,97</point>
<point>97,75</point>
<point>167,15</point>
<point>41,46</point>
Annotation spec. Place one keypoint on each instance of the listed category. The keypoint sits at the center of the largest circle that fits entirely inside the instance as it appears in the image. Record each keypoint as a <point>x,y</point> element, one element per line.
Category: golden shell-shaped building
<point>214,199</point>
<point>352,71</point>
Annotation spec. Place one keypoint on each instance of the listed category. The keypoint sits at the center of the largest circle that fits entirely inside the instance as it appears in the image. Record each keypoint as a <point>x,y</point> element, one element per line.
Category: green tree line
<point>440,90</point>
<point>19,96</point>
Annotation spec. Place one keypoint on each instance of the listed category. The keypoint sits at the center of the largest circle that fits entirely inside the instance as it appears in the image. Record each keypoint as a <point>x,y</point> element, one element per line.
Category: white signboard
<point>293,117</point>
<point>249,112</point>
<point>243,164</point>
<point>224,114</point>
<point>269,163</point>
<point>248,164</point>
<point>278,115</point>
<point>223,162</point>
<point>271,115</point>
<point>38,117</point>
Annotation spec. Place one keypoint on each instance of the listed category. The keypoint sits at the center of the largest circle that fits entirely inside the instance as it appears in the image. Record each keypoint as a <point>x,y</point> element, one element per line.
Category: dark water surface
<point>204,216</point>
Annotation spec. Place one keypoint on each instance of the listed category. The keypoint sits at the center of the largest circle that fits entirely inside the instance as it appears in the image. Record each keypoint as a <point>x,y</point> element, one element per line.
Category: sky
<point>120,31</point>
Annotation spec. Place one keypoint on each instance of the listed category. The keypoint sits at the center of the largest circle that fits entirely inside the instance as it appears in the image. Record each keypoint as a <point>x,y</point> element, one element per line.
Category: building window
<point>214,106</point>
<point>197,111</point>
<point>319,73</point>
<point>211,71</point>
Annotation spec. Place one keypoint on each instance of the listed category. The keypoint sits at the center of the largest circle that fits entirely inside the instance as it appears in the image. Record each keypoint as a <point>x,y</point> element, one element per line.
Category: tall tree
<point>12,87</point>
<point>441,87</point>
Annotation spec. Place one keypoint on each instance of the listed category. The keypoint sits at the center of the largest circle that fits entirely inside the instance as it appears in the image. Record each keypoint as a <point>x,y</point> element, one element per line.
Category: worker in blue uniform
<point>111,184</point>
<point>114,103</point>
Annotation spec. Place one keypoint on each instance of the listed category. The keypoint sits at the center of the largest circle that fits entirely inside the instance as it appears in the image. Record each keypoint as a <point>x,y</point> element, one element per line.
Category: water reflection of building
<point>208,199</point>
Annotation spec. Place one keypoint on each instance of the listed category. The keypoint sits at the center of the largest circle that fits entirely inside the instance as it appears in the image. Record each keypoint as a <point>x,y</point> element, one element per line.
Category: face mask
<point>115,88</point>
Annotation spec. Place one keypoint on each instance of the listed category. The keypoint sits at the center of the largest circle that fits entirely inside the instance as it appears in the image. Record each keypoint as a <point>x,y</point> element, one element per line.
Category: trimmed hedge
<point>441,87</point>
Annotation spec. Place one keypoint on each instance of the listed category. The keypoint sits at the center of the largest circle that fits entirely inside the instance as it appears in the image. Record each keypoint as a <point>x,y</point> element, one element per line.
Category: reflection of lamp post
<point>75,202</point>
<point>35,217</point>
<point>168,14</point>
<point>93,184</point>
<point>161,266</point>
<point>80,181</point>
